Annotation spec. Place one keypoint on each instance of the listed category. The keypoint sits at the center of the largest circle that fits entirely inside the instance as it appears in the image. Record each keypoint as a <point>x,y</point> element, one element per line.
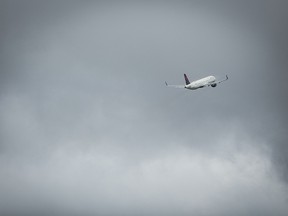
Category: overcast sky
<point>87,125</point>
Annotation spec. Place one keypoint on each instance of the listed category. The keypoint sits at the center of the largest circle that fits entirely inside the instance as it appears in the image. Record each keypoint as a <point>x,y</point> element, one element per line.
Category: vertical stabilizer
<point>186,79</point>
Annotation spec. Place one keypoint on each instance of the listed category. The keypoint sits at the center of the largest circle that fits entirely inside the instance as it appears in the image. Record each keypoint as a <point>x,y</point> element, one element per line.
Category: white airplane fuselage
<point>201,83</point>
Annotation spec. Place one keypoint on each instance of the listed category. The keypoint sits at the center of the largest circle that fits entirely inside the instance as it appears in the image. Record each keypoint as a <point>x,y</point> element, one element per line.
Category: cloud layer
<point>88,127</point>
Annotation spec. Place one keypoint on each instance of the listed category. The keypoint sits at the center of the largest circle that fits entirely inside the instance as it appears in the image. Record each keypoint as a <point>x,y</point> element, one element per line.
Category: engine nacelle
<point>214,85</point>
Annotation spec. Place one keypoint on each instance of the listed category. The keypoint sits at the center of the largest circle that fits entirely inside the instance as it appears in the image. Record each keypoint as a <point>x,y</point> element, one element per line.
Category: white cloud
<point>179,179</point>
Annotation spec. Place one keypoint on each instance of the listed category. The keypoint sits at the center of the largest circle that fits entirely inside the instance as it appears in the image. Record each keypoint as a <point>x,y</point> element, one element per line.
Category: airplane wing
<point>175,86</point>
<point>222,80</point>
<point>217,82</point>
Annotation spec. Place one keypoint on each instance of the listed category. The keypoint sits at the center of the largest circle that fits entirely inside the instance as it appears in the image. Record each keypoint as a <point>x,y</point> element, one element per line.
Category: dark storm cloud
<point>278,33</point>
<point>87,124</point>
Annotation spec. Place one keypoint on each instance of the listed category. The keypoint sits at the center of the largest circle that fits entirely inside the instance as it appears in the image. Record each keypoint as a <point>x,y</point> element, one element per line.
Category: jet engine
<point>214,85</point>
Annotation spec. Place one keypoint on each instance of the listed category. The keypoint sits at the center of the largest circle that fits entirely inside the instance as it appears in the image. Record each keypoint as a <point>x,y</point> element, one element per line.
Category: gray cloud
<point>87,125</point>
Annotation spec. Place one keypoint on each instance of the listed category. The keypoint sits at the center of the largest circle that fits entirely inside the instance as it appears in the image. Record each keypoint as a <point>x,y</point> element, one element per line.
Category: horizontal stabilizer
<point>174,86</point>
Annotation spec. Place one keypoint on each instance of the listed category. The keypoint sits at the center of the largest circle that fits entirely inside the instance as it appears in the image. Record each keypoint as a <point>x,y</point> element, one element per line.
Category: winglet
<point>226,77</point>
<point>186,79</point>
<point>166,83</point>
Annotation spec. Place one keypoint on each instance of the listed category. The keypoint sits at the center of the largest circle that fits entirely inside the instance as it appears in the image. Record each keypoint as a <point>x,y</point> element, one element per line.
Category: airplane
<point>204,82</point>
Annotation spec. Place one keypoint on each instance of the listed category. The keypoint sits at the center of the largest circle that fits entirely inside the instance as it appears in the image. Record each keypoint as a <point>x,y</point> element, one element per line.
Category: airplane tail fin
<point>186,79</point>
